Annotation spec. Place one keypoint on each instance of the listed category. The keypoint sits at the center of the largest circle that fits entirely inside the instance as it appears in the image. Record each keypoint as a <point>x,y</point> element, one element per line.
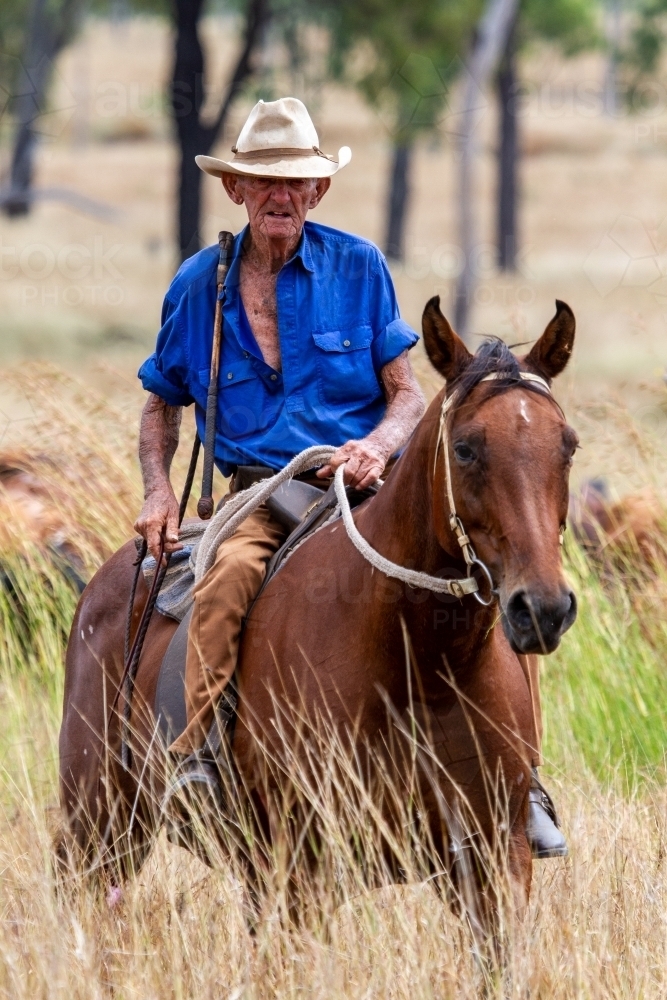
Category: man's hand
<point>158,440</point>
<point>363,460</point>
<point>159,512</point>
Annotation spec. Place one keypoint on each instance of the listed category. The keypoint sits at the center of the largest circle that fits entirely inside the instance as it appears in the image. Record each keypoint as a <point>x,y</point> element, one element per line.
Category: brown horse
<point>329,636</point>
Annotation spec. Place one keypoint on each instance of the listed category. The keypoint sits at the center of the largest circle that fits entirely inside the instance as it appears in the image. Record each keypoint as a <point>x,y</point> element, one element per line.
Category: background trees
<point>414,53</point>
<point>34,36</point>
<point>570,24</point>
<point>417,50</point>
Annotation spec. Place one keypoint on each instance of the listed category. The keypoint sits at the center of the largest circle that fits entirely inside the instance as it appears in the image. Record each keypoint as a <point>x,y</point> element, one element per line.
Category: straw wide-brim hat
<point>278,140</point>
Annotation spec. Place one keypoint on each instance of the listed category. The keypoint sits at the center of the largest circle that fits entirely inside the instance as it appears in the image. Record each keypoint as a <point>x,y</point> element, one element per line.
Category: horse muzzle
<point>534,623</point>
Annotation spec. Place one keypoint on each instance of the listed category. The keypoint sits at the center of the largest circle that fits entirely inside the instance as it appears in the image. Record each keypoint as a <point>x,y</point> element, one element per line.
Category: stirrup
<point>543,827</point>
<point>193,796</point>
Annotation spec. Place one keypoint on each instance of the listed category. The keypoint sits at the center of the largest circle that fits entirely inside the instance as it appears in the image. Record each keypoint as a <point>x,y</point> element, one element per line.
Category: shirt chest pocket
<point>245,406</point>
<point>345,366</point>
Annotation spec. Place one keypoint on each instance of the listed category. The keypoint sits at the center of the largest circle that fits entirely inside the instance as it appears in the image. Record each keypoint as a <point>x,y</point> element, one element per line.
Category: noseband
<point>455,523</point>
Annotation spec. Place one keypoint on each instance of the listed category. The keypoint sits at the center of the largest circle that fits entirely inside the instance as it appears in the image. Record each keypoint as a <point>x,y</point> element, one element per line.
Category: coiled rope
<point>241,505</point>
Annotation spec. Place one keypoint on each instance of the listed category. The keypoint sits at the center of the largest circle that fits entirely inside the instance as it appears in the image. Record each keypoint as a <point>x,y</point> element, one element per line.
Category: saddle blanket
<point>175,597</point>
<point>290,503</point>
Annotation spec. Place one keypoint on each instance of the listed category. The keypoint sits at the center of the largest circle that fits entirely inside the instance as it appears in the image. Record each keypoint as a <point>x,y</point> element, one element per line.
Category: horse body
<point>332,640</point>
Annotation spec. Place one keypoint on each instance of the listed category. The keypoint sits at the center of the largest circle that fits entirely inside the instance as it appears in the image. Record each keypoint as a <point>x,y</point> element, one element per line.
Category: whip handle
<point>205,505</point>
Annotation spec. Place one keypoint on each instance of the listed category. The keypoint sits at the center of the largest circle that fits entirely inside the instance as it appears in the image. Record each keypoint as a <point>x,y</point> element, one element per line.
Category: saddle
<point>301,508</point>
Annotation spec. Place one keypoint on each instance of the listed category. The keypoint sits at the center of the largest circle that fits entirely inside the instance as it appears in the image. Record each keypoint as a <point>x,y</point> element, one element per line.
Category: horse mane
<point>492,356</point>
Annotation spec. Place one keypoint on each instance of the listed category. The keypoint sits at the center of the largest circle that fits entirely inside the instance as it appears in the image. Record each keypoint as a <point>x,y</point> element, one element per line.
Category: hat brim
<point>285,166</point>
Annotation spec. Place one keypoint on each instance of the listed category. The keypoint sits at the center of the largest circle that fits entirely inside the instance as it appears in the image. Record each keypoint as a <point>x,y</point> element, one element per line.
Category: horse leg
<point>109,825</point>
<point>109,818</point>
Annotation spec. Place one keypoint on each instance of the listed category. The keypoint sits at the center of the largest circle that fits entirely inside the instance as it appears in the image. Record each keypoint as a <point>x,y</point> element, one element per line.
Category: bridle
<point>455,523</point>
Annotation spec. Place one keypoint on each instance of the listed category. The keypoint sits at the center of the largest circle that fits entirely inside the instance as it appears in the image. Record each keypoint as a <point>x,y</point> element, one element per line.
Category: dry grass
<point>595,926</point>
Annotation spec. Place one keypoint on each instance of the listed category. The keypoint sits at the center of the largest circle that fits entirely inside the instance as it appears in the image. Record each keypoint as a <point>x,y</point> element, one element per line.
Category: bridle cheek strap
<point>455,522</point>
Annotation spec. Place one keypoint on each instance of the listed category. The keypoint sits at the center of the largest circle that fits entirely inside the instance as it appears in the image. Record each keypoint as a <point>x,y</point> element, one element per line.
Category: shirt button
<point>230,374</point>
<point>273,378</point>
<point>346,343</point>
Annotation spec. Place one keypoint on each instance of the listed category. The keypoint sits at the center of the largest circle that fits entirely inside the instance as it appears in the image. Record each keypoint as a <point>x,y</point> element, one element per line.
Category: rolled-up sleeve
<point>391,334</point>
<point>166,372</point>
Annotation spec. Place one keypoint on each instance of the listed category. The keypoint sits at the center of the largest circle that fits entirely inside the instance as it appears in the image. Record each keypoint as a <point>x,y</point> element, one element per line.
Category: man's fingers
<point>171,532</point>
<point>324,472</point>
<point>351,469</point>
<point>371,477</point>
<point>152,537</point>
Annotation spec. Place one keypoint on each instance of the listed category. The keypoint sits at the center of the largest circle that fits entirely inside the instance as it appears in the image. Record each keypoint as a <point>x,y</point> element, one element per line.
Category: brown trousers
<point>222,599</point>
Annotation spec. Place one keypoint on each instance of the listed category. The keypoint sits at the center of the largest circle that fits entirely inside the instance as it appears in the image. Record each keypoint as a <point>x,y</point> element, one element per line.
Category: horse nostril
<point>518,612</point>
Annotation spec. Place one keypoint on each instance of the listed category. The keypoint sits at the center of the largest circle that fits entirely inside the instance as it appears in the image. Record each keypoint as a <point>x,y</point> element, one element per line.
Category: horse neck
<point>401,524</point>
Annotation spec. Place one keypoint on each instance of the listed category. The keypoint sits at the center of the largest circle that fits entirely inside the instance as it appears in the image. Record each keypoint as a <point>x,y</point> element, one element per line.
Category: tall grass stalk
<point>596,922</point>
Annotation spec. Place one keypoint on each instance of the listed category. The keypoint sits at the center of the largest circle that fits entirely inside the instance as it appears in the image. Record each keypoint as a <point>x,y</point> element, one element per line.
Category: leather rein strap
<point>205,504</point>
<point>455,523</point>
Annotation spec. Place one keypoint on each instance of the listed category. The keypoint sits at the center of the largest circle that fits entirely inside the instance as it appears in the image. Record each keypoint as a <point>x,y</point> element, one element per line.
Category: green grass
<point>604,691</point>
<point>595,925</point>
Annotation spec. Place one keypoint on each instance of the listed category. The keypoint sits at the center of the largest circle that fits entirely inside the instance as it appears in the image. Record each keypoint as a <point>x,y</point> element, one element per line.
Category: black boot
<point>193,797</point>
<point>543,828</point>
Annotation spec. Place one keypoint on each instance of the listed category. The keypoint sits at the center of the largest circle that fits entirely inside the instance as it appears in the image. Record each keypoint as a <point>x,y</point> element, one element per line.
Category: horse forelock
<point>493,357</point>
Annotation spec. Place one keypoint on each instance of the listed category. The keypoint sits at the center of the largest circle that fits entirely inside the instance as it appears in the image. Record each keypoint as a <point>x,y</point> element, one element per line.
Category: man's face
<point>276,207</point>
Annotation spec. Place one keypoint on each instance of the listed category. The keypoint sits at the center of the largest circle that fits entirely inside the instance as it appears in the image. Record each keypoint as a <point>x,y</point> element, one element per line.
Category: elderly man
<point>313,352</point>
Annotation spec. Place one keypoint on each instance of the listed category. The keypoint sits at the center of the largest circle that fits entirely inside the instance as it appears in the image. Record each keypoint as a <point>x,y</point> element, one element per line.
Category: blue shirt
<point>338,323</point>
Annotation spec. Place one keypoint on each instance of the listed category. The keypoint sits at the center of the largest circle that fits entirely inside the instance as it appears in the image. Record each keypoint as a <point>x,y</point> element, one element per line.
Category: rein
<point>242,504</point>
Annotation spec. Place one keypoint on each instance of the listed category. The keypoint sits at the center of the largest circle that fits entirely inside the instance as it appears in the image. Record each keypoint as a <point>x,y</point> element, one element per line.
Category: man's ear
<point>551,353</point>
<point>322,185</point>
<point>230,184</point>
<point>446,351</point>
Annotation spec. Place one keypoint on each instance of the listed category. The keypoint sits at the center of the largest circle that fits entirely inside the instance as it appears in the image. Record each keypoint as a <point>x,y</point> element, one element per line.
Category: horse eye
<point>464,453</point>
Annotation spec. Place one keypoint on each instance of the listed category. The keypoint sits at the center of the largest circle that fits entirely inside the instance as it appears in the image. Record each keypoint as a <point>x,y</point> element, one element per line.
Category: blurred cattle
<point>33,510</point>
<point>627,535</point>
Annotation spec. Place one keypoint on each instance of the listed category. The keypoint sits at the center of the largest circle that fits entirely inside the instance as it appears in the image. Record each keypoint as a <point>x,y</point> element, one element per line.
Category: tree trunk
<point>398,200</point>
<point>187,93</point>
<point>613,33</point>
<point>47,34</point>
<point>492,34</point>
<point>508,158</point>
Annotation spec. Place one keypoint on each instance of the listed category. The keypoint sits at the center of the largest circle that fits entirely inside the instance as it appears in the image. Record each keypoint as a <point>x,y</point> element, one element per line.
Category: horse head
<point>510,453</point>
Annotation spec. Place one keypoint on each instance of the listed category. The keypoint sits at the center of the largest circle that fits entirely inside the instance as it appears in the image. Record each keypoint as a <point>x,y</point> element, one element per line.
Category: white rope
<point>241,505</point>
<point>457,588</point>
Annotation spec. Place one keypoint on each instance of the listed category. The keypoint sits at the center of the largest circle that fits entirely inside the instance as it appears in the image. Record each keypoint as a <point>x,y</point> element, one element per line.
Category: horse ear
<point>446,351</point>
<point>551,353</point>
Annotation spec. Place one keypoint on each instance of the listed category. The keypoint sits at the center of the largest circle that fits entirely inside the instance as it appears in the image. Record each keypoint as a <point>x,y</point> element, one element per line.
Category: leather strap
<point>279,151</point>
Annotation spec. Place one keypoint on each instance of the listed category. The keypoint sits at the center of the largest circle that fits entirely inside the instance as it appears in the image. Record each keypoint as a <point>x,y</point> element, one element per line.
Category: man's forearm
<point>405,407</point>
<point>158,441</point>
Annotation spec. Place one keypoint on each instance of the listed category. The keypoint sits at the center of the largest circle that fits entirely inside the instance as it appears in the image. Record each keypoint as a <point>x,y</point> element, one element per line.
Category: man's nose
<point>280,193</point>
